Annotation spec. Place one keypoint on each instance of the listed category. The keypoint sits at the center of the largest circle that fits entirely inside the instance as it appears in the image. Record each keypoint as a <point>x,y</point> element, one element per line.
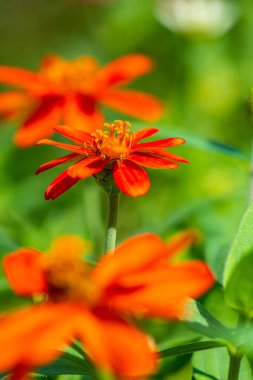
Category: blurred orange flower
<point>89,304</point>
<point>114,148</point>
<point>72,92</point>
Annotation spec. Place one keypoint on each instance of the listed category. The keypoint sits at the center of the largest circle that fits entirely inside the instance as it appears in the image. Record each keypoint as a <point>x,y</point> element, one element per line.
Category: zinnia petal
<point>125,263</point>
<point>182,240</point>
<point>165,143</point>
<point>12,103</point>
<point>124,70</point>
<point>131,256</point>
<point>80,111</point>
<point>21,372</point>
<point>40,123</point>
<point>59,185</point>
<point>58,161</point>
<point>109,341</point>
<point>19,77</point>
<point>134,103</point>
<point>72,133</point>
<point>24,272</point>
<point>164,293</point>
<point>34,336</point>
<point>162,153</point>
<point>145,133</point>
<point>151,161</point>
<point>87,167</point>
<point>80,150</point>
<point>130,178</point>
<point>74,245</point>
<point>148,283</point>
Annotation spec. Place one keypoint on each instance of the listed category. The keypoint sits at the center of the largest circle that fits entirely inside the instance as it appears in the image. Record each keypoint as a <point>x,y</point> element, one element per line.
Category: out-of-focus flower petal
<point>131,256</point>
<point>124,70</point>
<point>12,103</point>
<point>134,103</point>
<point>40,123</point>
<point>116,346</point>
<point>141,278</point>
<point>19,77</point>
<point>73,91</point>
<point>24,272</point>
<point>34,336</point>
<point>74,245</point>
<point>182,240</point>
<point>162,293</point>
<point>80,111</point>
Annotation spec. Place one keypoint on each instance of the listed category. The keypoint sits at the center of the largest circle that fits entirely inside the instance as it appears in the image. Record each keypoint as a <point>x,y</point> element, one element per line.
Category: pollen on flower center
<point>69,278</point>
<point>66,76</point>
<point>114,141</point>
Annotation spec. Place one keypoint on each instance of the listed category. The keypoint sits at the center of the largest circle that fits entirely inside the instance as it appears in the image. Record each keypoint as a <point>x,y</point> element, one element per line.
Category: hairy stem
<point>251,175</point>
<point>111,232</point>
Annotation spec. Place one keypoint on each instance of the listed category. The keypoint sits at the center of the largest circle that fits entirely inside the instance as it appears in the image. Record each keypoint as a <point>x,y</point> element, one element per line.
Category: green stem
<point>111,232</point>
<point>234,366</point>
<point>235,354</point>
<point>251,175</point>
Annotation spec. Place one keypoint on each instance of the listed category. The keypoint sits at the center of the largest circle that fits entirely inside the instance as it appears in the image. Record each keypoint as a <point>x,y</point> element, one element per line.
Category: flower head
<point>72,92</point>
<point>114,149</point>
<point>90,304</point>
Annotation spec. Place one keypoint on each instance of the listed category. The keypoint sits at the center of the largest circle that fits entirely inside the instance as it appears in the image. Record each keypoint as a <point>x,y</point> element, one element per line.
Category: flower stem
<point>235,353</point>
<point>111,232</point>
<point>251,175</point>
<point>234,366</point>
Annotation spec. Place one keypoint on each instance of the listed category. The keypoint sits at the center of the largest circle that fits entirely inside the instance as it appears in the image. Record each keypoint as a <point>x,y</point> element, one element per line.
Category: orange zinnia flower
<point>113,148</point>
<point>72,92</point>
<point>88,304</point>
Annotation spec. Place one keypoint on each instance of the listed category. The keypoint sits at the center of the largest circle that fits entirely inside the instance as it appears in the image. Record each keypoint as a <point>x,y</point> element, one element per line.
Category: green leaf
<point>199,319</point>
<point>200,375</point>
<point>189,348</point>
<point>77,349</point>
<point>68,364</point>
<point>172,365</point>
<point>185,373</point>
<point>238,272</point>
<point>250,359</point>
<point>211,364</point>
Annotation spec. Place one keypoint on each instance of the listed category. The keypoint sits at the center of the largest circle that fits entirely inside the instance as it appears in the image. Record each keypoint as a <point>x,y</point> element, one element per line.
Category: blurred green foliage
<point>205,83</point>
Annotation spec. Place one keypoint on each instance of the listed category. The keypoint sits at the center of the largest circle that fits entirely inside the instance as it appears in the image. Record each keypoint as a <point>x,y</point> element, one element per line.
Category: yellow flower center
<point>115,141</point>
<point>69,279</point>
<point>70,76</point>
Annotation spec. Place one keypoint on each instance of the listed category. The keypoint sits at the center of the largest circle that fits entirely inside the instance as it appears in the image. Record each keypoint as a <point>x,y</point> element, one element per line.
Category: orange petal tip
<point>40,142</point>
